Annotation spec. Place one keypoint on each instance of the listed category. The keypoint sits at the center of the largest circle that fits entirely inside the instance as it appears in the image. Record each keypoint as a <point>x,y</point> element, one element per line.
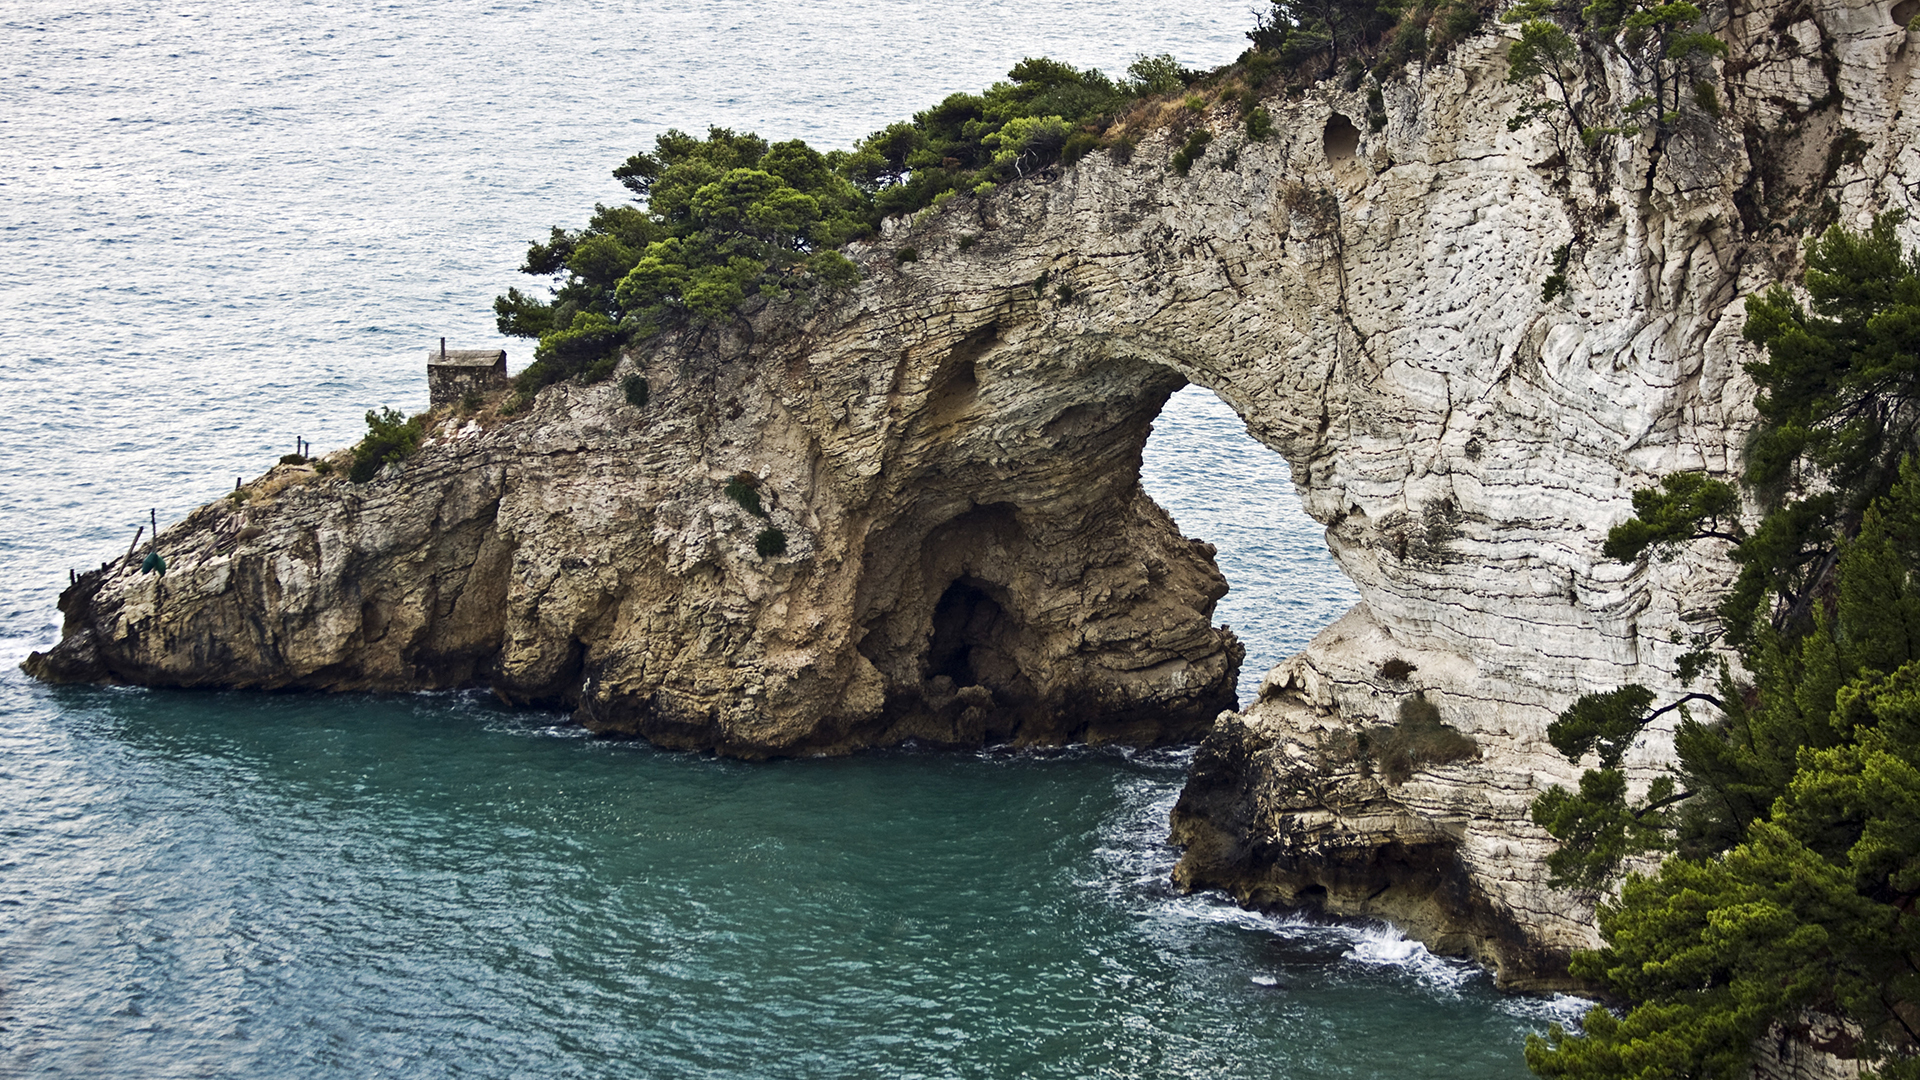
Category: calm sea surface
<point>224,226</point>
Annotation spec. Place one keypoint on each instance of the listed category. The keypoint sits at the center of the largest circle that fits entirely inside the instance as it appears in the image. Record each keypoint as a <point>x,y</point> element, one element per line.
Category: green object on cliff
<point>153,564</point>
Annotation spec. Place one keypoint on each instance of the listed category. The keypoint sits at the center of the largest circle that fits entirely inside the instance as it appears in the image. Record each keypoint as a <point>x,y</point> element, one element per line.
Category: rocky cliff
<point>951,454</point>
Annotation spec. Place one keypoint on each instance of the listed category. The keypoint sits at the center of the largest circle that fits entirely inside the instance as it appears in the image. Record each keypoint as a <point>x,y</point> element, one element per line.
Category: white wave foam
<point>1563,1009</point>
<point>1385,946</point>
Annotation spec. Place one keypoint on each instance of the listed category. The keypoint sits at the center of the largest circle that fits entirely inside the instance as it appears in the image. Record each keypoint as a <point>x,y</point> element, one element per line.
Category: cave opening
<point>1225,487</point>
<point>1341,140</point>
<point>964,621</point>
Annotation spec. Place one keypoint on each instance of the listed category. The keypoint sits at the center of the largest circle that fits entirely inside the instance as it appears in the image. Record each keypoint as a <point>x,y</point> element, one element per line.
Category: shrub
<point>833,270</point>
<point>1077,146</point>
<point>1376,109</point>
<point>390,437</point>
<point>1418,740</point>
<point>636,389</point>
<point>906,255</point>
<point>1556,283</point>
<point>744,489</point>
<point>1396,669</point>
<point>1704,96</point>
<point>770,542</point>
<point>1196,146</point>
<point>292,459</point>
<point>323,467</point>
<point>471,401</point>
<point>967,241</point>
<point>1065,293</point>
<point>1259,124</point>
<point>600,370</point>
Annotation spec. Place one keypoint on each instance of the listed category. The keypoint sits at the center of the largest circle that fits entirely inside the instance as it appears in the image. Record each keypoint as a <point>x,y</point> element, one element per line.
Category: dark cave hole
<point>1342,140</point>
<point>965,622</point>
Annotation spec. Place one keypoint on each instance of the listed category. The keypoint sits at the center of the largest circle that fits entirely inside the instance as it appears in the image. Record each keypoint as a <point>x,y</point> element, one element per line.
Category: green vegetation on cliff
<point>1794,818</point>
<point>726,218</point>
<point>730,216</point>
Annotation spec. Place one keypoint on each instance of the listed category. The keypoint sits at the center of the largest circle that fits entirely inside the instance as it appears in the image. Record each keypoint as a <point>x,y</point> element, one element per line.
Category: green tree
<point>721,219</point>
<point>1795,882</point>
<point>724,217</point>
<point>1661,46</point>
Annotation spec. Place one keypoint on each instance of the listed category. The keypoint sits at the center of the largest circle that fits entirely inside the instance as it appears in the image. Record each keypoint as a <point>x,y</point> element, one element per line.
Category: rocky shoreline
<point>951,453</point>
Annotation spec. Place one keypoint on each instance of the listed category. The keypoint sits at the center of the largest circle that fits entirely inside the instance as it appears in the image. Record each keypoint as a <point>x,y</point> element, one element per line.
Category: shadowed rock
<point>952,449</point>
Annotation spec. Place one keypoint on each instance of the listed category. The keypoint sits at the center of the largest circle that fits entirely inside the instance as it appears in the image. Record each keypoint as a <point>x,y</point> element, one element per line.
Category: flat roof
<point>466,357</point>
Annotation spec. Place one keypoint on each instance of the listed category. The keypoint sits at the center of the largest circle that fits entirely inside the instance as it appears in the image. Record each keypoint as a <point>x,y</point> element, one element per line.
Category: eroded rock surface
<point>952,454</point>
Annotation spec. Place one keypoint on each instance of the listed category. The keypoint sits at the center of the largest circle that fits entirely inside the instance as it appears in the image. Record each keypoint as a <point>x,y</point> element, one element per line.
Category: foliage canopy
<point>721,219</point>
<point>1795,816</point>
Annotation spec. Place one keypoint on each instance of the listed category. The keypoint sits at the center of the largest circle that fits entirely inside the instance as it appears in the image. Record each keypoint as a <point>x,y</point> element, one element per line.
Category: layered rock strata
<point>968,556</point>
<point>951,454</point>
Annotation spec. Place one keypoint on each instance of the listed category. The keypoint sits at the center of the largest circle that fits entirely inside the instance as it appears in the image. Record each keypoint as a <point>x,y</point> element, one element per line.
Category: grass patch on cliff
<point>1419,739</point>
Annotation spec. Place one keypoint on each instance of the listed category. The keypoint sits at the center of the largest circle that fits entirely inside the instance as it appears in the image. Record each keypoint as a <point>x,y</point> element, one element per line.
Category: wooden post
<point>136,540</point>
<point>154,538</point>
<point>236,483</point>
<point>443,350</point>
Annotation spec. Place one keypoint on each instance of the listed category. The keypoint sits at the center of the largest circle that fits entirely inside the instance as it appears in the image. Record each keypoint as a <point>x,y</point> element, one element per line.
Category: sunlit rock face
<point>966,555</point>
<point>951,453</point>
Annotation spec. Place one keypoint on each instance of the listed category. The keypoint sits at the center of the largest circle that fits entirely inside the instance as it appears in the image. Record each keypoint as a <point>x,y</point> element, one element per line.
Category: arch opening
<point>1223,486</point>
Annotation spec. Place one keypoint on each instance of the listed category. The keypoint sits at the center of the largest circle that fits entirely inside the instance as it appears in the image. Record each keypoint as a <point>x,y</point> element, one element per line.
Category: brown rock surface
<point>969,556</point>
<point>952,451</point>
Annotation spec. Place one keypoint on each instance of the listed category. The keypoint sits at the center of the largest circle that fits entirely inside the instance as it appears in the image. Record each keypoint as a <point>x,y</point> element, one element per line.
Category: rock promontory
<point>949,455</point>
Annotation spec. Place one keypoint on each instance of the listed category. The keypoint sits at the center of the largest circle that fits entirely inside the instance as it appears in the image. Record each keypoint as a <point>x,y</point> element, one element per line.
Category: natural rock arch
<point>972,420</point>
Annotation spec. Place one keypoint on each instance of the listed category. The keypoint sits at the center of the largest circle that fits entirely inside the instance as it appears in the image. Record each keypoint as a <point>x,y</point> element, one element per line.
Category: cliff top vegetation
<point>720,219</point>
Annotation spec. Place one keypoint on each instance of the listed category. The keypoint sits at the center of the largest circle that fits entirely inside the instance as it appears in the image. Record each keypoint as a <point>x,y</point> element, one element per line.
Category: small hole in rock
<point>1343,139</point>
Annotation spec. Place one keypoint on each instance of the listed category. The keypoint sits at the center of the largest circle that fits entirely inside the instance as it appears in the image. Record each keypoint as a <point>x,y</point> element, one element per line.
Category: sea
<point>227,227</point>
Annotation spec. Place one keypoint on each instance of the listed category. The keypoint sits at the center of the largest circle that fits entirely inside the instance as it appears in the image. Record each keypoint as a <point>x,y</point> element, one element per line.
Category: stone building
<point>453,373</point>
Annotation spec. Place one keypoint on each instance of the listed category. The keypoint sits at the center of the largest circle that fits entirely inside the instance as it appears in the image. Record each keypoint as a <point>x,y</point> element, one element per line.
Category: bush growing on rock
<point>745,490</point>
<point>1195,146</point>
<point>1259,124</point>
<point>636,390</point>
<point>1396,669</point>
<point>390,437</point>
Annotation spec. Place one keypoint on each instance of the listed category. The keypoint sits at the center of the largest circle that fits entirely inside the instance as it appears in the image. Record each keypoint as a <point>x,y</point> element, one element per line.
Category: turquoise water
<point>222,226</point>
<point>244,885</point>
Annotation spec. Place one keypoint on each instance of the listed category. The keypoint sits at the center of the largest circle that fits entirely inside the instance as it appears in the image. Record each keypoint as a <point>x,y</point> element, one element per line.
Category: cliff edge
<point>950,454</point>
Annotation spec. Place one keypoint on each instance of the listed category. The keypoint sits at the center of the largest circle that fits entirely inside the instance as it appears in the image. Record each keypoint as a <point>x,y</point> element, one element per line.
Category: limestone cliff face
<point>969,557</point>
<point>952,453</point>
